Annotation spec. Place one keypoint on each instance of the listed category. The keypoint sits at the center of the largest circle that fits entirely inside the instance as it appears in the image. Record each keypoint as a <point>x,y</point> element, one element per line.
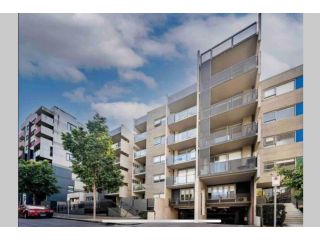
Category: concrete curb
<point>79,219</point>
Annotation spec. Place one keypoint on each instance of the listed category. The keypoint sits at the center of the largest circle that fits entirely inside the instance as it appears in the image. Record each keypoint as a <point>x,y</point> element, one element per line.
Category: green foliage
<point>93,156</point>
<point>36,178</point>
<point>268,214</point>
<point>293,178</point>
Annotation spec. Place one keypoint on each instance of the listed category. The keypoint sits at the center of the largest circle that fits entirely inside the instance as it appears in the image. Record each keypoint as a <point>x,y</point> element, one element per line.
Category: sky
<point>124,65</point>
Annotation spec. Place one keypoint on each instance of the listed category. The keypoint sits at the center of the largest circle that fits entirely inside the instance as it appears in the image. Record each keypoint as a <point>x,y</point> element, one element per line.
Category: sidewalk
<point>85,218</point>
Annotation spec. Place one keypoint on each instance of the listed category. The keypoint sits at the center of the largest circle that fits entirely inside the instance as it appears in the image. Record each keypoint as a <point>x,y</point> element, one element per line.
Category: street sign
<point>276,181</point>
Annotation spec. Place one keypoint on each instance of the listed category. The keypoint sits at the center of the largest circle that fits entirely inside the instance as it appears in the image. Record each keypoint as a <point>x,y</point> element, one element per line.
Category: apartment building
<point>280,142</point>
<point>209,152</point>
<point>40,138</point>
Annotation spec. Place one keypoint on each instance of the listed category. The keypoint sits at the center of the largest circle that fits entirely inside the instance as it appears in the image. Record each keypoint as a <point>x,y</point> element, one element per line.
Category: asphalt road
<point>55,222</point>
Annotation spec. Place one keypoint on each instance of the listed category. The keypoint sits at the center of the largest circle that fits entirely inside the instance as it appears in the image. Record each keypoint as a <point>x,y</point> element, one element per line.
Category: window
<point>51,151</point>
<point>158,178</point>
<point>287,164</point>
<point>281,89</point>
<point>159,159</point>
<point>159,140</point>
<point>158,195</point>
<point>89,199</point>
<point>70,126</point>
<point>269,92</point>
<point>69,157</point>
<point>278,140</point>
<point>160,121</point>
<point>187,194</point>
<point>278,114</point>
<point>185,176</point>
<point>222,191</point>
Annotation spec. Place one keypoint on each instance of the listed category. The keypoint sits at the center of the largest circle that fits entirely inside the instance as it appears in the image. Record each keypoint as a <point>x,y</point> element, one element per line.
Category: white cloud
<point>105,93</point>
<point>282,43</point>
<point>132,75</point>
<point>118,113</point>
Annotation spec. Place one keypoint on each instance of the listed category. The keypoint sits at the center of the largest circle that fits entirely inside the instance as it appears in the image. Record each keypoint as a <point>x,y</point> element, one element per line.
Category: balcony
<point>140,155</point>
<point>37,142</point>
<point>177,203</point>
<point>182,140</point>
<point>182,94</point>
<point>182,160</point>
<point>21,135</point>
<point>141,123</point>
<point>139,188</point>
<point>21,155</point>
<point>231,110</point>
<point>140,139</point>
<point>45,120</point>
<point>183,120</point>
<point>43,132</point>
<point>175,182</point>
<point>140,171</point>
<point>240,199</point>
<point>229,171</point>
<point>230,138</point>
<point>21,145</point>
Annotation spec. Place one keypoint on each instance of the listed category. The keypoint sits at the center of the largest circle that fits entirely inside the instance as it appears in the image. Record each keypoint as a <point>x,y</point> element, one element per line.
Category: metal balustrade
<point>140,120</point>
<point>139,170</point>
<point>231,103</point>
<point>231,166</point>
<point>139,154</point>
<point>181,158</point>
<point>176,117</point>
<point>183,93</point>
<point>228,134</point>
<point>140,137</point>
<point>179,137</point>
<point>180,180</point>
<point>230,42</point>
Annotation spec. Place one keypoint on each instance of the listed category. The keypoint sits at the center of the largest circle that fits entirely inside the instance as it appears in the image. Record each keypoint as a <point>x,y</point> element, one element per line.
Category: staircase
<point>294,217</point>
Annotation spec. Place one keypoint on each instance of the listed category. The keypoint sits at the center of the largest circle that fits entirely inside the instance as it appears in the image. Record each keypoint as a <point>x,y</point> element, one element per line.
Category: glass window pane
<point>288,87</point>
<point>285,113</point>
<point>268,117</point>
<point>285,138</point>
<point>269,92</point>
<point>269,141</point>
<point>235,155</point>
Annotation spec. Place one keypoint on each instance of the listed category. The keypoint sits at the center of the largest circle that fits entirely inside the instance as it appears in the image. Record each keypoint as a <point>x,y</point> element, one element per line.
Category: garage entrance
<point>230,215</point>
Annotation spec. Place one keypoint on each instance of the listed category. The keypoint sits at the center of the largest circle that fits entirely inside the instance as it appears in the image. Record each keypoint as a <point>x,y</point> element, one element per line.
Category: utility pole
<point>275,184</point>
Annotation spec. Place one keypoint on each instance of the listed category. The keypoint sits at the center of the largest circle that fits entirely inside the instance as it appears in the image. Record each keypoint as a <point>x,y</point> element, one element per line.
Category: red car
<point>35,211</point>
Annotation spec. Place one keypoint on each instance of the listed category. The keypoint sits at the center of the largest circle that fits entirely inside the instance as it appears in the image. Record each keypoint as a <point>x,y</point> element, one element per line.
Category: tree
<point>93,157</point>
<point>36,179</point>
<point>293,178</point>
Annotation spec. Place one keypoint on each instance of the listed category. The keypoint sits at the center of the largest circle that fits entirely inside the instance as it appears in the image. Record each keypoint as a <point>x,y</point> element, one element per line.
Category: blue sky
<point>123,65</point>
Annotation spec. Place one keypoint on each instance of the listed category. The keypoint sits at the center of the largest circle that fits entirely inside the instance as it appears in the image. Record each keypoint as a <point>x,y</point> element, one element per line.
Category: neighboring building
<point>40,138</point>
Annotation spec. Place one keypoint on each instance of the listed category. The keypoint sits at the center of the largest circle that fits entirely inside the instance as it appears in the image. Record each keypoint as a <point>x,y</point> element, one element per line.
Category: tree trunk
<point>34,199</point>
<point>94,191</point>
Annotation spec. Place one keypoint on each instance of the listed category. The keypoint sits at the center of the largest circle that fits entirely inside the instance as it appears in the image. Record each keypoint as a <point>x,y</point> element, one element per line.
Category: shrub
<point>268,214</point>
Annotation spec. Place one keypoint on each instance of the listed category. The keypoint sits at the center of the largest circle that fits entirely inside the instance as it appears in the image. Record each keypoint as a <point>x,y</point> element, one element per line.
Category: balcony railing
<point>183,93</point>
<point>21,145</point>
<point>229,104</point>
<point>45,119</point>
<point>139,187</point>
<point>181,158</point>
<point>140,120</point>
<point>180,180</point>
<point>231,166</point>
<point>229,198</point>
<point>178,202</point>
<point>139,154</point>
<point>115,131</point>
<point>176,117</point>
<point>140,137</point>
<point>21,135</point>
<point>139,170</point>
<point>230,42</point>
<point>183,136</point>
<point>230,134</point>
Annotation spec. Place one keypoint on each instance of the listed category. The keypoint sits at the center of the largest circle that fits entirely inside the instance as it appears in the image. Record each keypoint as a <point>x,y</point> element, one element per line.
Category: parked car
<point>27,211</point>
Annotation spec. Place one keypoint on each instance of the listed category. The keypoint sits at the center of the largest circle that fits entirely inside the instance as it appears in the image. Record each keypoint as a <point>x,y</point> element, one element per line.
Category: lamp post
<point>275,184</point>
